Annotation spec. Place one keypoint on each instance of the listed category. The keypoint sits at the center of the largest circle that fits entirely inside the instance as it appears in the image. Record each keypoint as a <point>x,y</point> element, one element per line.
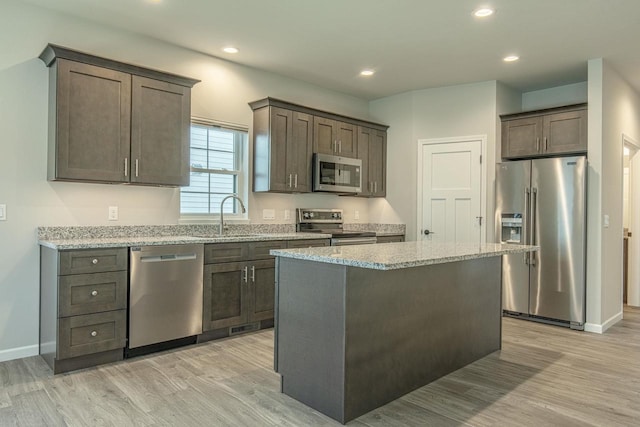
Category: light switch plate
<point>356,215</point>
<point>606,221</point>
<point>287,214</point>
<point>113,213</point>
<point>268,214</point>
<point>3,212</point>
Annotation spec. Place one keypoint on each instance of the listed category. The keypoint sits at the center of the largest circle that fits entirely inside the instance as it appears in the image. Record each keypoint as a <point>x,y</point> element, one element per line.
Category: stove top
<point>340,232</point>
<point>327,221</point>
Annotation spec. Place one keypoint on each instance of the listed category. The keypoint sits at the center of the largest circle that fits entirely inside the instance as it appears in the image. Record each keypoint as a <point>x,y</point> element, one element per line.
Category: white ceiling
<point>411,44</point>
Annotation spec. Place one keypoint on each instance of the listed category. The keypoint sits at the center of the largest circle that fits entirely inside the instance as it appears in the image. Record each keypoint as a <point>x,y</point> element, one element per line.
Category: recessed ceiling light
<point>367,72</point>
<point>510,58</point>
<point>230,49</point>
<point>483,12</point>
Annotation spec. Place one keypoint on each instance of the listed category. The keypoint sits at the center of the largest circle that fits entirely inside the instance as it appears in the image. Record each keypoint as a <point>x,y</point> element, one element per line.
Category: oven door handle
<point>353,241</point>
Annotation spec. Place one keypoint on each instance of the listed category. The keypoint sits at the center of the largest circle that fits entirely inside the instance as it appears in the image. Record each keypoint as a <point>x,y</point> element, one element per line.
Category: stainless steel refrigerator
<point>543,202</point>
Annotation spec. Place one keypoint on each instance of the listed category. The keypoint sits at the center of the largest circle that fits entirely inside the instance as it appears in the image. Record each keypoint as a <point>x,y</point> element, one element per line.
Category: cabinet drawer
<point>260,250</point>
<point>91,333</point>
<point>307,243</point>
<point>92,293</point>
<point>225,252</point>
<point>390,239</point>
<point>93,261</point>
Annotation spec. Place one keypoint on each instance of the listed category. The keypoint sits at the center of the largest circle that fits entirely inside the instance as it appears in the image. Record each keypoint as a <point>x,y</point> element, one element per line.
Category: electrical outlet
<point>287,214</point>
<point>356,215</point>
<point>113,213</point>
<point>268,214</point>
<point>3,212</point>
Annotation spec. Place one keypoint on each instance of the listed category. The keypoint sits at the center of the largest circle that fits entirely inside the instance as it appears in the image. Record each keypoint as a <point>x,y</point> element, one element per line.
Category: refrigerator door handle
<point>525,234</point>
<point>534,220</point>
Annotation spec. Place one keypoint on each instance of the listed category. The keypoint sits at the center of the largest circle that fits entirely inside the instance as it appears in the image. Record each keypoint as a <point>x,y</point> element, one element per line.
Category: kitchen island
<point>359,326</point>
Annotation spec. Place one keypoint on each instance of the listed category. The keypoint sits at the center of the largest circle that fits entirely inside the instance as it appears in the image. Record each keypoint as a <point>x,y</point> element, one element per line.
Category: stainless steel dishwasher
<point>165,293</point>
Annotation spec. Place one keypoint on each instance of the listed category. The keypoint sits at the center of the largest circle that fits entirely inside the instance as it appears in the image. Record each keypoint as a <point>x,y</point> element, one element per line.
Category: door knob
<point>427,232</point>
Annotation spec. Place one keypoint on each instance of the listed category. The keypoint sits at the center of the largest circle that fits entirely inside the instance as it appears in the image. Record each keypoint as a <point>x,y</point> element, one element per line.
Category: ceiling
<point>411,44</point>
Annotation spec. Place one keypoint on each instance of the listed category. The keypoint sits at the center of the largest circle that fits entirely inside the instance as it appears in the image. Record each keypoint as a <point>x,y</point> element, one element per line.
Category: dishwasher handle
<point>168,257</point>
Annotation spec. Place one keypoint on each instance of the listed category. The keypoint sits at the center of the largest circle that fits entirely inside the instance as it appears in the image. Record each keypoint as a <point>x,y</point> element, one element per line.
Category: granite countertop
<point>119,242</point>
<point>392,256</point>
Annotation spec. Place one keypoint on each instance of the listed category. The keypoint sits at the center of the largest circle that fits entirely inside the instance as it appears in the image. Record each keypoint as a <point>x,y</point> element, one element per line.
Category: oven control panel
<point>332,216</point>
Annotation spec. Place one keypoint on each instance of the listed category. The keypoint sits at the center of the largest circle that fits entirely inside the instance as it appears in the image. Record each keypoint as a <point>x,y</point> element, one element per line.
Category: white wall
<point>32,201</point>
<point>621,115</point>
<point>614,110</point>
<point>430,113</point>
<point>554,97</point>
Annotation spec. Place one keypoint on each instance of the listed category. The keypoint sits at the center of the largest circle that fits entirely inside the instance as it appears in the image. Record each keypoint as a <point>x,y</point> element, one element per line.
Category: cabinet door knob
<point>289,180</point>
<point>94,333</point>
<point>295,181</point>
<point>94,293</point>
<point>94,261</point>
<point>253,273</point>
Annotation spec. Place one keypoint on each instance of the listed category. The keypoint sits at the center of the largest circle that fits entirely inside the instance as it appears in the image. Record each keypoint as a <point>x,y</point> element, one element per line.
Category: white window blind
<point>216,169</point>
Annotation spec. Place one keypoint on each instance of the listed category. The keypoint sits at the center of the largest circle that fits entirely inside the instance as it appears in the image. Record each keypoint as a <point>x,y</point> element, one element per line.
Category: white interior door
<point>450,191</point>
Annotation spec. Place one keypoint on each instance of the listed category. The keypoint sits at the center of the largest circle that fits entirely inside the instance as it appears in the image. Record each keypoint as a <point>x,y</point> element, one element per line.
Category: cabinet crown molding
<point>51,52</point>
<point>543,111</point>
<point>273,102</point>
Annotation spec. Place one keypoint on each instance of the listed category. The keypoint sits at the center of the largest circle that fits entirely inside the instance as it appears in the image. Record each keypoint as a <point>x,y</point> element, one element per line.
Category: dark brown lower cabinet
<point>83,307</point>
<point>236,293</point>
<point>262,286</point>
<point>242,292</point>
<point>224,295</point>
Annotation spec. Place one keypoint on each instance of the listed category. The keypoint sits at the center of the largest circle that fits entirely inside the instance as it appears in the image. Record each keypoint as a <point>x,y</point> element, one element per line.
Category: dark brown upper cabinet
<point>372,150</point>
<point>334,137</point>
<point>116,123</point>
<point>285,136</point>
<point>282,150</point>
<point>555,131</point>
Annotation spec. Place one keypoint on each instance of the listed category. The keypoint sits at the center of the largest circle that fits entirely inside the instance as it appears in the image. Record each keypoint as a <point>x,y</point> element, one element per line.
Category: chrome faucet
<point>231,196</point>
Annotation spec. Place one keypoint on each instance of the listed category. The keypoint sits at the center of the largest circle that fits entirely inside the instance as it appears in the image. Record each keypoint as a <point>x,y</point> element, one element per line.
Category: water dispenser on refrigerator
<point>511,228</point>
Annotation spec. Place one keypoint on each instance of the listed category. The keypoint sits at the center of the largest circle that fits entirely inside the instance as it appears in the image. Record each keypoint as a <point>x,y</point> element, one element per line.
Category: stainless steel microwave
<point>336,174</point>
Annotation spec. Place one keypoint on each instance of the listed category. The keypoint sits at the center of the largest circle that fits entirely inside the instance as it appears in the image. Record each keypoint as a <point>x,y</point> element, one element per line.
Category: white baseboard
<point>601,329</point>
<point>18,353</point>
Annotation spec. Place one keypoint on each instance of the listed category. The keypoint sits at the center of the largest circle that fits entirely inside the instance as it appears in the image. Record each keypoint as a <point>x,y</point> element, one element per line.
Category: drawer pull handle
<point>94,261</point>
<point>94,333</point>
<point>94,293</point>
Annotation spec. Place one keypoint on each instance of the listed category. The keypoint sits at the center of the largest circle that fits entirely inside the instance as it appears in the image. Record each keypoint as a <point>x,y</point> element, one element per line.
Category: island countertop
<point>393,256</point>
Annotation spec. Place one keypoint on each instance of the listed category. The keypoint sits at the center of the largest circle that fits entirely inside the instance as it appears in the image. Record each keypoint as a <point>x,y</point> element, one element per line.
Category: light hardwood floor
<point>543,376</point>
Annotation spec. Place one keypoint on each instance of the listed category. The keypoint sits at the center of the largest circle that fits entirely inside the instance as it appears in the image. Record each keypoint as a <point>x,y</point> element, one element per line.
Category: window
<point>216,169</point>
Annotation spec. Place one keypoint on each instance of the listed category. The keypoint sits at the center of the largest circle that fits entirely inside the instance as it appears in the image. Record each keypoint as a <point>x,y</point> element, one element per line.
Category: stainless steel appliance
<point>543,202</point>
<point>329,221</point>
<point>336,174</point>
<point>165,293</point>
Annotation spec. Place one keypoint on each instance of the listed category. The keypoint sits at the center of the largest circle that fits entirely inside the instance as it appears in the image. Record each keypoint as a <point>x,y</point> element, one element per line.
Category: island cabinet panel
<point>556,131</point>
<point>114,122</point>
<point>351,339</point>
<point>83,307</point>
